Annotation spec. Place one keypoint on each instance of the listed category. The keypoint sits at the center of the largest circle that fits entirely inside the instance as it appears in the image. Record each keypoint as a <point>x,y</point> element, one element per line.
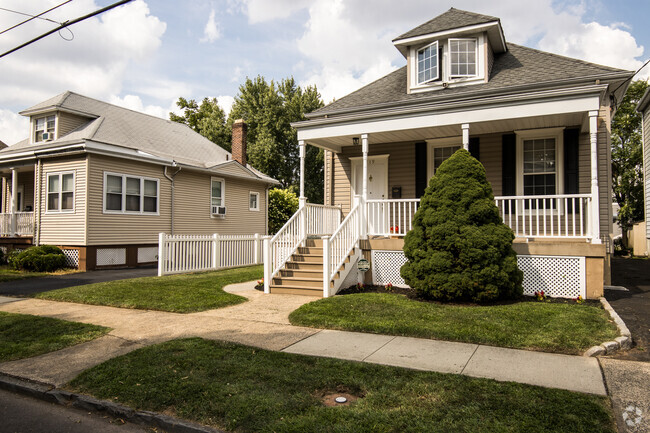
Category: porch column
<point>302,199</point>
<point>364,190</point>
<point>465,127</point>
<point>595,199</point>
<point>14,199</point>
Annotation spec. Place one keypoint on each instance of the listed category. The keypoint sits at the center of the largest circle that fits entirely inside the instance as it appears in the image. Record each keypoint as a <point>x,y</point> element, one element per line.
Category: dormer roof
<point>454,22</point>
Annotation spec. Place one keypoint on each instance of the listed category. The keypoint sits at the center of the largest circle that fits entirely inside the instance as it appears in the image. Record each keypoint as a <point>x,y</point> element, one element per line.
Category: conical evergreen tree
<point>459,248</point>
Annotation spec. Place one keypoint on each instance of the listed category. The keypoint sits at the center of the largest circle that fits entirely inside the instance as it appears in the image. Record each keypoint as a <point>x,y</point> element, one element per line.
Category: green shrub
<point>44,258</point>
<point>3,257</point>
<point>459,249</point>
<point>12,258</point>
<point>283,203</point>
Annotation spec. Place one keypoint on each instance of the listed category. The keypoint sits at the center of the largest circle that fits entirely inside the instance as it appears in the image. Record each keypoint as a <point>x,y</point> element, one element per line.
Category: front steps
<point>303,273</point>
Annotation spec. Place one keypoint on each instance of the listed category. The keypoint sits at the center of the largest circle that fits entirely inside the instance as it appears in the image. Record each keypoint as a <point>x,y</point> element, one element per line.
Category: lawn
<point>244,389</point>
<point>7,274</point>
<point>23,336</point>
<point>552,327</point>
<point>185,293</point>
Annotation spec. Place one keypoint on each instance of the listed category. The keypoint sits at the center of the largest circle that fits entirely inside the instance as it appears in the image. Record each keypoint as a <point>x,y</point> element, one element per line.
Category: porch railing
<point>337,248</point>
<point>391,217</point>
<point>322,219</point>
<point>24,224</point>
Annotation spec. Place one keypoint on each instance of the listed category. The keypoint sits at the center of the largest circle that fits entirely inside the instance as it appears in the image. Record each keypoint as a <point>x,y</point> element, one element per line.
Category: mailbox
<point>396,192</point>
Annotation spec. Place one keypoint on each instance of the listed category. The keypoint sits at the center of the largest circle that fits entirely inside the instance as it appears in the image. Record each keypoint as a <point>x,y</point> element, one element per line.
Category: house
<point>102,182</point>
<point>641,232</point>
<point>538,122</point>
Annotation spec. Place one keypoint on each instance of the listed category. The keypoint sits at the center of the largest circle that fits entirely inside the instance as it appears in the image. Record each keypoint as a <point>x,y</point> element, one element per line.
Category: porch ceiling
<point>335,143</point>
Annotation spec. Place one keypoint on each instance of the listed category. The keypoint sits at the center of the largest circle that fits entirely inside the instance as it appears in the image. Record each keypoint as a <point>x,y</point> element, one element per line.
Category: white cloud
<point>134,102</point>
<point>225,102</point>
<point>13,127</point>
<point>211,32</point>
<point>264,10</point>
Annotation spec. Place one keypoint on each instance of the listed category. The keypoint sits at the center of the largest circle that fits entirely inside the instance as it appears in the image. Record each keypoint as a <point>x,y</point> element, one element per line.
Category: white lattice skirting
<point>71,258</point>
<point>147,254</point>
<point>557,276</point>
<point>111,256</point>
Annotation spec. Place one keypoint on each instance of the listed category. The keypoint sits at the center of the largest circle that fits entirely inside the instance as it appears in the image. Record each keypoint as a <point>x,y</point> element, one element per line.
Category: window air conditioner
<point>219,210</point>
<point>48,136</point>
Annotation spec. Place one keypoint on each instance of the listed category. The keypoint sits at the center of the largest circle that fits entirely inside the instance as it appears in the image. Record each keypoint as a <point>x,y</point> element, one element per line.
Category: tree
<point>627,158</point>
<point>208,119</point>
<point>459,248</point>
<point>283,203</point>
<point>269,109</point>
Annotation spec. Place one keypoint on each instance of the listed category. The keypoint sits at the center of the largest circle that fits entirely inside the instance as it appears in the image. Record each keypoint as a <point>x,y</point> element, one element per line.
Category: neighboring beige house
<point>539,123</point>
<point>641,232</point>
<point>102,181</point>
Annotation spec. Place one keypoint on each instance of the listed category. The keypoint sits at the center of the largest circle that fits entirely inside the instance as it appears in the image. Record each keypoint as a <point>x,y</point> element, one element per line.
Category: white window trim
<point>438,61</point>
<point>476,56</point>
<point>47,191</point>
<point>131,212</point>
<point>33,126</point>
<point>250,193</point>
<point>223,195</point>
<point>439,142</point>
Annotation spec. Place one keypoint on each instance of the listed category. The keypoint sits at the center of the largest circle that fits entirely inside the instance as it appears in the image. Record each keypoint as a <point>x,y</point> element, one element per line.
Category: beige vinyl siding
<point>193,210</point>
<point>69,122</point>
<point>605,175</point>
<point>64,228</point>
<point>646,168</point>
<point>490,150</point>
<point>119,229</point>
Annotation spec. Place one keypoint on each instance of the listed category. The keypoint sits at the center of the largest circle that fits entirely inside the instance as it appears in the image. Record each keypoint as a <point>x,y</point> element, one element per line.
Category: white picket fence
<point>190,253</point>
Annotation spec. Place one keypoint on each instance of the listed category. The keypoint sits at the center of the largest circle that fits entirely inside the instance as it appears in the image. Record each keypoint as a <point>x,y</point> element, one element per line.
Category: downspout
<point>171,179</point>
<point>37,202</point>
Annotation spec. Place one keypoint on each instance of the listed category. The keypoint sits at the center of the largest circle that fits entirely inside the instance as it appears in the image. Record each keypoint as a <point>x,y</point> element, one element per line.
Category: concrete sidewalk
<point>263,322</point>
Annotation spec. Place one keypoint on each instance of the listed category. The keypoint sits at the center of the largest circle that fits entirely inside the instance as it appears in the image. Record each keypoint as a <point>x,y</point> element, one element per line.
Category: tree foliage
<point>283,203</point>
<point>459,248</point>
<point>627,157</point>
<point>208,119</point>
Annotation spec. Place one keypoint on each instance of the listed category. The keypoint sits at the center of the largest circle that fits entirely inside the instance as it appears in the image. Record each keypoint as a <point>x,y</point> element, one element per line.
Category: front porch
<point>18,202</point>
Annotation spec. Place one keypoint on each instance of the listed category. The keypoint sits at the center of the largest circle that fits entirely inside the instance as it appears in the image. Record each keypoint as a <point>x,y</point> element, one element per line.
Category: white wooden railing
<point>24,224</point>
<point>321,219</point>
<point>337,247</point>
<point>559,216</point>
<point>189,253</point>
<point>391,217</point>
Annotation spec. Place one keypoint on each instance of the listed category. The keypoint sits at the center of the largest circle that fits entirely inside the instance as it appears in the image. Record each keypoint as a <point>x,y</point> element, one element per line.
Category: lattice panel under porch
<point>147,254</point>
<point>557,276</point>
<point>386,266</point>
<point>111,256</point>
<point>71,258</point>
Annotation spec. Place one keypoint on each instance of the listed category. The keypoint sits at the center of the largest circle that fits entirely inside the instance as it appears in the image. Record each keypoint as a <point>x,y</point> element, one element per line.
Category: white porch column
<point>465,127</point>
<point>14,199</point>
<point>595,199</point>
<point>364,190</point>
<point>302,199</point>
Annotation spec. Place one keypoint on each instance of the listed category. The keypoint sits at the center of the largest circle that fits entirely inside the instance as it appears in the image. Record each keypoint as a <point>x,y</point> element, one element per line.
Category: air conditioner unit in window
<point>48,136</point>
<point>219,211</point>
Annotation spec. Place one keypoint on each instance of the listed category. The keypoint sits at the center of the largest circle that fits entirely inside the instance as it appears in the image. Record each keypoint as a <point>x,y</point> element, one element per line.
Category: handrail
<point>290,236</point>
<point>343,240</point>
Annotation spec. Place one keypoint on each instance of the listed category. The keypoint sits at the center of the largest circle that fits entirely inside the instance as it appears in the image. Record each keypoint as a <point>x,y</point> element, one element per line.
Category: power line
<point>66,24</point>
<point>32,16</point>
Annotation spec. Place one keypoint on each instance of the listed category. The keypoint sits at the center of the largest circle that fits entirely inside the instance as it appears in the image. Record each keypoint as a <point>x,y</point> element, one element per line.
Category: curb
<point>51,394</point>
<point>623,342</point>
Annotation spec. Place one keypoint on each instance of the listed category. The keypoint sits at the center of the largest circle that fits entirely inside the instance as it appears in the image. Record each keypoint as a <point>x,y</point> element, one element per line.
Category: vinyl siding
<point>69,122</point>
<point>646,168</point>
<point>64,228</point>
<point>113,229</point>
<point>605,176</point>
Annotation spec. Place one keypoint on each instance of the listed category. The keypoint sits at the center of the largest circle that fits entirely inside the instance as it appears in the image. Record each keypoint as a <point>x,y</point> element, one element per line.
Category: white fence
<point>178,254</point>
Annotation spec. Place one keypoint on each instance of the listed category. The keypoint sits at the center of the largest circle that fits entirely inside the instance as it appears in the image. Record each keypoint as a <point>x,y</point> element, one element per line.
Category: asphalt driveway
<point>31,286</point>
<point>634,305</point>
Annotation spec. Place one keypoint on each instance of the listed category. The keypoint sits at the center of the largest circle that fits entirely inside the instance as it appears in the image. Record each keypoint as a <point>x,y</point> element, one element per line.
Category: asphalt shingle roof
<point>452,19</point>
<point>519,66</point>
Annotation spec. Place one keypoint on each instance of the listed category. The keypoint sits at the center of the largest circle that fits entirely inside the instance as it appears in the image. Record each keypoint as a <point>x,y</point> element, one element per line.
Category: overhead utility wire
<point>637,71</point>
<point>32,16</point>
<point>66,24</point>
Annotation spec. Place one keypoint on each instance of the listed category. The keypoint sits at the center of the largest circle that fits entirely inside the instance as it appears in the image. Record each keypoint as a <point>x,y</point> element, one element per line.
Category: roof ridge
<point>573,59</point>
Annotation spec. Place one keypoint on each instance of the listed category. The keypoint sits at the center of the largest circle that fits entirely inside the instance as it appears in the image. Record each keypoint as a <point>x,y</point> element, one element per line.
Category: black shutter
<point>420,168</point>
<point>474,147</point>
<point>509,164</point>
<point>571,179</point>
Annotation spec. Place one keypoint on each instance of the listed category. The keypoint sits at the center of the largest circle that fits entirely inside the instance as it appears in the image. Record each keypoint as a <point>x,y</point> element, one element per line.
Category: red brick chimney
<point>239,128</point>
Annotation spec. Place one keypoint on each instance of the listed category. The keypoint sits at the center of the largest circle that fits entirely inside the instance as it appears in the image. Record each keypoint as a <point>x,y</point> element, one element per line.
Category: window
<point>463,57</point>
<point>218,195</point>
<point>42,125</point>
<point>130,194</point>
<point>540,167</point>
<point>254,201</point>
<point>428,63</point>
<point>60,192</point>
<point>440,154</point>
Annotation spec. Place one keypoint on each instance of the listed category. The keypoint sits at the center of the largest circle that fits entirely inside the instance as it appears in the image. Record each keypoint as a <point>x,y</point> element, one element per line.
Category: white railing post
<point>595,199</point>
<point>303,224</point>
<point>326,266</point>
<point>256,249</point>
<point>302,149</point>
<point>14,201</point>
<point>268,265</point>
<point>465,128</point>
<point>216,251</point>
<point>161,253</point>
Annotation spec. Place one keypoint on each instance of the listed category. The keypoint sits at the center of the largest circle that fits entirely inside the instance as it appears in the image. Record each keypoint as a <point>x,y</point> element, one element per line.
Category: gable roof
<point>518,67</point>
<point>643,102</point>
<point>452,19</point>
<point>118,126</point>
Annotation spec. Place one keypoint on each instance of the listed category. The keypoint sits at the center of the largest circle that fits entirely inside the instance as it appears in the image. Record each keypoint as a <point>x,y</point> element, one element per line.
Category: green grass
<point>553,327</point>
<point>23,336</point>
<point>244,389</point>
<point>176,293</point>
<point>7,274</point>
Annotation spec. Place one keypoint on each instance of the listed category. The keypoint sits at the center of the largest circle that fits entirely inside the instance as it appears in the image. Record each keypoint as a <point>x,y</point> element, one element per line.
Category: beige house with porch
<point>102,182</point>
<point>538,122</point>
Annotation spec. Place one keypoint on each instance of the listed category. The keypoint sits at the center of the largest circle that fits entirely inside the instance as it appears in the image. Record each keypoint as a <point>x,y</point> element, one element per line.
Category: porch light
<point>355,141</point>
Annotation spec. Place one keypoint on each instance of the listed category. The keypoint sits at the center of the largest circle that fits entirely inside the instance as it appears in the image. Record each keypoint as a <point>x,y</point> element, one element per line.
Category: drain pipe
<point>37,204</point>
<point>171,179</point>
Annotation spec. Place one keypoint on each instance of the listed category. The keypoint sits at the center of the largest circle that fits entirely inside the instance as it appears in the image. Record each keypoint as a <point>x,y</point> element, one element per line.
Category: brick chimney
<point>239,128</point>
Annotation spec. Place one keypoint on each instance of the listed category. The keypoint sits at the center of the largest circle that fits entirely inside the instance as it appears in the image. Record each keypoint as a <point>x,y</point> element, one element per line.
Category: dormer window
<point>428,63</point>
<point>463,57</point>
<point>44,125</point>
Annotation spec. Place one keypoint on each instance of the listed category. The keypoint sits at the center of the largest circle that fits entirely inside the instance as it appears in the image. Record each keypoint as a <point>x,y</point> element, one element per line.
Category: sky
<point>148,53</point>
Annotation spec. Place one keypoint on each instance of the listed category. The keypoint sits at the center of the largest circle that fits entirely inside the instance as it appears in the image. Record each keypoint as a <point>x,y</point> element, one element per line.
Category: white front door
<point>377,185</point>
